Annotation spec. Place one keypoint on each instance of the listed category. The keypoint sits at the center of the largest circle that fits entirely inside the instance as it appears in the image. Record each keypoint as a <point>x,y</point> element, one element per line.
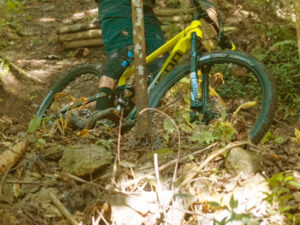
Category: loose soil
<point>36,50</point>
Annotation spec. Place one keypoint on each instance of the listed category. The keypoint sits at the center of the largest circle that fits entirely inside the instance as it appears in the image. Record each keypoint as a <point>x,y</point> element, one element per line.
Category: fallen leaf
<point>243,106</point>
<point>275,157</point>
<point>35,124</point>
<point>11,156</point>
<point>83,133</point>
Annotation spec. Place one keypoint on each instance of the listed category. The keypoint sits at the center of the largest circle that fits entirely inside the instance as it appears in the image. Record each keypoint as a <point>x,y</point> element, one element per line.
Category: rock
<point>242,161</point>
<point>81,160</point>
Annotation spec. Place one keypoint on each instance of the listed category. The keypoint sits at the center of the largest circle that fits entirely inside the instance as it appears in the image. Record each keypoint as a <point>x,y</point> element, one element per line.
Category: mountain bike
<point>206,84</point>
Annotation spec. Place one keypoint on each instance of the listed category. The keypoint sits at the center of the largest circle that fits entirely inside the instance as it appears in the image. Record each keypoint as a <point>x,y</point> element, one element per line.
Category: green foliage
<point>35,124</point>
<point>199,134</point>
<point>281,185</point>
<point>282,60</point>
<point>10,11</point>
<point>237,86</point>
<point>269,136</point>
<point>106,142</point>
<point>244,218</point>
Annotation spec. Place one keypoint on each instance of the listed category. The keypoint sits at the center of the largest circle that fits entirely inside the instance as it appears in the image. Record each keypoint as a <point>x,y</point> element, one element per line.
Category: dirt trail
<point>24,191</point>
<point>37,52</point>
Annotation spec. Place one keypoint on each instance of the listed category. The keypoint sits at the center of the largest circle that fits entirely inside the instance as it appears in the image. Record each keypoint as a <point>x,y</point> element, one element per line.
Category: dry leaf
<point>243,106</point>
<point>275,156</point>
<point>11,156</point>
<point>17,190</point>
<point>83,133</point>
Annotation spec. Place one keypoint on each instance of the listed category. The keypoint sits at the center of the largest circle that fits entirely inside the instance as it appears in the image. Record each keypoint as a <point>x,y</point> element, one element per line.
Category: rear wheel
<point>80,81</point>
<point>240,81</point>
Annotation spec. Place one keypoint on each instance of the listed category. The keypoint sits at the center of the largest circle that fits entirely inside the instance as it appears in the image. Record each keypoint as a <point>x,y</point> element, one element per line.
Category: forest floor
<point>131,194</point>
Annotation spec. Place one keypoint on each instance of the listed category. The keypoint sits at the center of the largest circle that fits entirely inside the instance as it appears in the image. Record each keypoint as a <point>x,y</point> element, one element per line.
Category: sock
<point>105,101</point>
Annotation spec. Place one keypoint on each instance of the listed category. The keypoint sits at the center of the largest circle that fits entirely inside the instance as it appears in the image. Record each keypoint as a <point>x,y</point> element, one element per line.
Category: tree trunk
<point>297,12</point>
<point>142,99</point>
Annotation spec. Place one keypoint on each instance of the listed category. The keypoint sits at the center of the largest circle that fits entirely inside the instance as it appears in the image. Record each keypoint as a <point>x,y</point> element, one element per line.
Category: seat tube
<point>193,75</point>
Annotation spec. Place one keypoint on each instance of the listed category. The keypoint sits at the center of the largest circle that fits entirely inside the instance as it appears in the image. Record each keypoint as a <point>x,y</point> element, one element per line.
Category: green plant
<point>281,194</point>
<point>244,218</point>
<point>282,61</point>
<point>11,12</point>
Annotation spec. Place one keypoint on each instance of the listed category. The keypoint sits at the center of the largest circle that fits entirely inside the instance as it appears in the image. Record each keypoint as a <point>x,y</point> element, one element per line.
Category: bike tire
<point>267,85</point>
<point>64,81</point>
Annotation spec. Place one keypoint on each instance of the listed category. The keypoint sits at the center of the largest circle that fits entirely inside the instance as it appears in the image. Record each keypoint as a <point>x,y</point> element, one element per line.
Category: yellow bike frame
<point>181,43</point>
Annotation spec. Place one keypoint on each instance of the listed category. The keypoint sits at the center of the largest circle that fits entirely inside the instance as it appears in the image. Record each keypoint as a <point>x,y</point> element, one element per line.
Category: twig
<point>170,164</point>
<point>114,175</point>
<point>158,189</point>
<point>179,142</point>
<point>221,151</point>
<point>78,179</point>
<point>157,173</point>
<point>209,158</point>
<point>119,137</point>
<point>97,221</point>
<point>24,182</point>
<point>62,209</point>
<point>186,157</point>
<point>102,217</point>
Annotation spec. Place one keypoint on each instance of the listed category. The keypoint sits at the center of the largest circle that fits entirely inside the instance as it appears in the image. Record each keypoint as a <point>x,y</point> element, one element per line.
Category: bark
<point>297,12</point>
<point>142,99</point>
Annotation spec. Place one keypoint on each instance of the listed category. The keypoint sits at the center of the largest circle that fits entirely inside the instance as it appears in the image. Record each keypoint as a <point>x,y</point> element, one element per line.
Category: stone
<point>242,161</point>
<point>81,160</point>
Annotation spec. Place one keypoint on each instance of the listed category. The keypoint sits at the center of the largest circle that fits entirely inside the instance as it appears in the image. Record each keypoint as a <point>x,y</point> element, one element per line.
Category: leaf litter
<point>139,191</point>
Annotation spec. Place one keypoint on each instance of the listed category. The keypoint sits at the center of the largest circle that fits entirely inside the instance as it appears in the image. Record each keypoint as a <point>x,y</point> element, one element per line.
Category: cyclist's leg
<point>116,39</point>
<point>113,68</point>
<point>122,40</point>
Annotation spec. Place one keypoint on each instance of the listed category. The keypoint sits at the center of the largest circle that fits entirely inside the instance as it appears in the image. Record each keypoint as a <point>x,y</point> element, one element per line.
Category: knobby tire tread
<point>266,81</point>
<point>65,79</point>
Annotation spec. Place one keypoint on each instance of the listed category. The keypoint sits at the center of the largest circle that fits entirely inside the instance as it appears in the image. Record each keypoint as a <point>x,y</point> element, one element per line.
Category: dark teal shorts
<point>117,33</point>
<point>118,40</point>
